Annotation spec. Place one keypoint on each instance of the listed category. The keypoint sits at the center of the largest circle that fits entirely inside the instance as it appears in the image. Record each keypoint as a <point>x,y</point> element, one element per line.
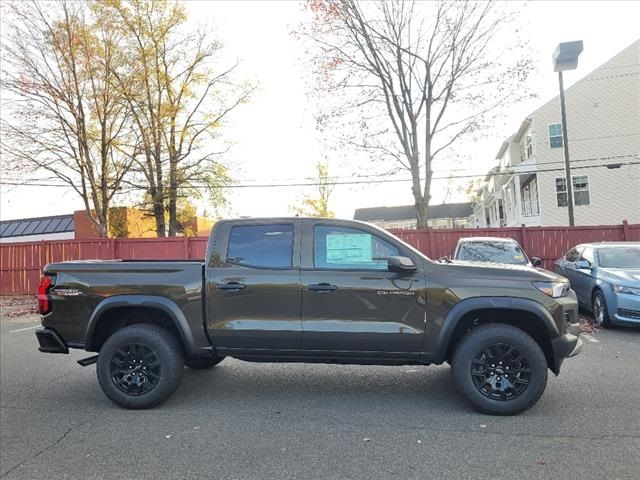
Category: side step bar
<point>85,362</point>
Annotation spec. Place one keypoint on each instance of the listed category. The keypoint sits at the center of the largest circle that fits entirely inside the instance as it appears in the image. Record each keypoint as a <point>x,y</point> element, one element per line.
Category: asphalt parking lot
<point>254,421</point>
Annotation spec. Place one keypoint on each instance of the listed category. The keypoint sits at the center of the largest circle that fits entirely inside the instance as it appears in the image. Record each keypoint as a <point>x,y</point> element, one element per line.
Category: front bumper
<point>50,341</point>
<point>626,310</point>
<point>565,346</point>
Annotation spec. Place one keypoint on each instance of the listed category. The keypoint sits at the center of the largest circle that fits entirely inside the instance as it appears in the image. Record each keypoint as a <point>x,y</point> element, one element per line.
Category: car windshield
<point>622,257</point>
<point>498,252</point>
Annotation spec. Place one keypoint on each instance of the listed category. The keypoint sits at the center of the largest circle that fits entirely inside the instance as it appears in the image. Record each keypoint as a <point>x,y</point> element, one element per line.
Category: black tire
<point>202,363</point>
<point>489,391</point>
<point>140,366</point>
<point>599,310</point>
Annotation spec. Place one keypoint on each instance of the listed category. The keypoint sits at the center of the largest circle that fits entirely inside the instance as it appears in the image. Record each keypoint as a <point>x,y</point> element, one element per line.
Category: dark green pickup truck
<point>310,290</point>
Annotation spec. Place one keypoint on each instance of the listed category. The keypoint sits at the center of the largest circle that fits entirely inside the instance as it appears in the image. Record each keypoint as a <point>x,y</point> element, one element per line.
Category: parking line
<point>24,329</point>
<point>590,338</point>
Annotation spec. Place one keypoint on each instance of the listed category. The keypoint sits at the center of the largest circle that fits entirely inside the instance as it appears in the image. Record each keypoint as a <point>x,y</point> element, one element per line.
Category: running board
<point>85,362</point>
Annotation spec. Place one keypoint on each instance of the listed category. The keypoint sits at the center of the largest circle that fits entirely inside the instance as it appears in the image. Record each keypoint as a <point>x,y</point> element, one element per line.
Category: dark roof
<point>36,226</point>
<point>406,212</point>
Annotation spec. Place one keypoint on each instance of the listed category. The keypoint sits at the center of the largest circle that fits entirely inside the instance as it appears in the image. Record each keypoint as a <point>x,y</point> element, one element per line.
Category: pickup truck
<point>310,290</point>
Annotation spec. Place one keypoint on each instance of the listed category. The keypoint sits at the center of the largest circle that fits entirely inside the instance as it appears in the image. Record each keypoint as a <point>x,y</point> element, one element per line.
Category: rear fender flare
<point>149,301</point>
<point>481,303</point>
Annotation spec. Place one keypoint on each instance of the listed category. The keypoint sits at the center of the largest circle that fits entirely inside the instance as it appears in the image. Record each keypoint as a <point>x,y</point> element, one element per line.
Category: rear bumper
<point>50,341</point>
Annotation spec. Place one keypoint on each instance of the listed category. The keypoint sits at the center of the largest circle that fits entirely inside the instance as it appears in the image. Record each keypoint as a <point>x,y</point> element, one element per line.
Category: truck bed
<point>80,286</point>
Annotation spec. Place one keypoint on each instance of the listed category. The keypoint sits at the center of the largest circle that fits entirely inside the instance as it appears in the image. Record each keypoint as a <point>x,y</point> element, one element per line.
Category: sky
<point>274,135</point>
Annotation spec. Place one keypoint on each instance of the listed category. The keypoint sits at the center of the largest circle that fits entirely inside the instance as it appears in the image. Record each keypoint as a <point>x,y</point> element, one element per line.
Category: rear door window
<point>261,246</point>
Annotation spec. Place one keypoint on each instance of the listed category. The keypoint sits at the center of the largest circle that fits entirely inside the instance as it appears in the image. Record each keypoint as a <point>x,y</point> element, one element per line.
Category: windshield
<point>498,252</point>
<point>622,257</point>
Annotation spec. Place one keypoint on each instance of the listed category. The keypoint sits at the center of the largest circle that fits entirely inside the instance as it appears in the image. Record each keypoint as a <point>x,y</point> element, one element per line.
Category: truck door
<point>351,303</point>
<point>253,287</point>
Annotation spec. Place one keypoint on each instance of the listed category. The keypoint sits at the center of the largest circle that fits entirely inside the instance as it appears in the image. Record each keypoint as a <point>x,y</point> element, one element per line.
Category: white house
<point>603,121</point>
<point>446,215</point>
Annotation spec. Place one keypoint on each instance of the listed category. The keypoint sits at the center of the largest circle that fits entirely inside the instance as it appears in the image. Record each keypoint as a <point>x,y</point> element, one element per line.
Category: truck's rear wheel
<point>499,369</point>
<point>203,363</point>
<point>140,366</point>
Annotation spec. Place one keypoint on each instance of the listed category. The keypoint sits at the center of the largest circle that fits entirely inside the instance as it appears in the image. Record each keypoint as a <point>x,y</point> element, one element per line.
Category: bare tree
<point>318,204</point>
<point>178,102</point>
<point>415,78</point>
<point>64,116</point>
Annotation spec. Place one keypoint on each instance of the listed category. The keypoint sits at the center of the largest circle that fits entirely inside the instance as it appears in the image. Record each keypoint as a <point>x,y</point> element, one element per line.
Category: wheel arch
<point>527,315</point>
<point>118,311</point>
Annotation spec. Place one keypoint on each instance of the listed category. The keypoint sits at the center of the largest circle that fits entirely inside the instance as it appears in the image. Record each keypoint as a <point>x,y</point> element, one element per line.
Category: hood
<point>629,277</point>
<point>499,270</point>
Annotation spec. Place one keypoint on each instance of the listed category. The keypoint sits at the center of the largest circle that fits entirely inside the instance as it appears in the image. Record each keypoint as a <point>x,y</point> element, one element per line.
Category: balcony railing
<point>530,208</point>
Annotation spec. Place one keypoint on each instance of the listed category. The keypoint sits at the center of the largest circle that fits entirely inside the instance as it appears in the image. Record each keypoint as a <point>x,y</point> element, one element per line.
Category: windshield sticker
<point>345,248</point>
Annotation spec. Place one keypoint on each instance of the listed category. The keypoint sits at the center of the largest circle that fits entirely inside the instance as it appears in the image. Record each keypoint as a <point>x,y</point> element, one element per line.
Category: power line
<point>380,181</point>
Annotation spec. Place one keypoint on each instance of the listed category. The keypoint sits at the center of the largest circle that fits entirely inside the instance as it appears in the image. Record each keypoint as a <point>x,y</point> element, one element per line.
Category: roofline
<point>33,219</point>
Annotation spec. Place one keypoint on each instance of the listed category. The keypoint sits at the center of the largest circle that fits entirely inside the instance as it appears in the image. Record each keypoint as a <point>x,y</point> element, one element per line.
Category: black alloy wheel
<point>140,366</point>
<point>135,369</point>
<point>499,369</point>
<point>501,372</point>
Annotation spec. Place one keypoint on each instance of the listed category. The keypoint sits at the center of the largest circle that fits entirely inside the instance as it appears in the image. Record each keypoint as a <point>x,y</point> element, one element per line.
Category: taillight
<point>44,305</point>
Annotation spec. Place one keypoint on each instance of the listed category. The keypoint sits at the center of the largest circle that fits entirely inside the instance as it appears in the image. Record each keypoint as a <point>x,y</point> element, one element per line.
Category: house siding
<point>603,123</point>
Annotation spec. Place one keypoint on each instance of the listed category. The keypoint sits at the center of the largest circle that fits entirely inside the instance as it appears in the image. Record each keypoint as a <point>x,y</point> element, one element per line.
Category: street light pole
<point>565,57</point>
<point>567,163</point>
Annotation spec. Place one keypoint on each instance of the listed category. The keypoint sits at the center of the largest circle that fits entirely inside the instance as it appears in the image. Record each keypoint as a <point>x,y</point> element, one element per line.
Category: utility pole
<point>565,57</point>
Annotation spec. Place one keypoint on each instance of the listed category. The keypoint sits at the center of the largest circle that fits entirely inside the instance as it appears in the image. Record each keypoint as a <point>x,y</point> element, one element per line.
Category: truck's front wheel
<point>140,366</point>
<point>499,369</point>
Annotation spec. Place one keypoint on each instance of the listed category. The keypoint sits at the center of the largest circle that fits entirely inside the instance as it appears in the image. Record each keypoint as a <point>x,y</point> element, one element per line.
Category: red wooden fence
<point>21,263</point>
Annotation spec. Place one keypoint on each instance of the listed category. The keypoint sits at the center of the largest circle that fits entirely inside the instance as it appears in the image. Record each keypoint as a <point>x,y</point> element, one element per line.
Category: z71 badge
<point>67,292</point>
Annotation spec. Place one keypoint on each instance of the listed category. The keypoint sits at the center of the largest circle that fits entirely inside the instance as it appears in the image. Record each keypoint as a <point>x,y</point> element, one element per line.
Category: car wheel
<point>599,310</point>
<point>140,366</point>
<point>203,363</point>
<point>499,369</point>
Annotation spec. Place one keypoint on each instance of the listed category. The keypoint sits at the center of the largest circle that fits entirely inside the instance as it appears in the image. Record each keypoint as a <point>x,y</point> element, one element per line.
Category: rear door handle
<point>322,287</point>
<point>230,286</point>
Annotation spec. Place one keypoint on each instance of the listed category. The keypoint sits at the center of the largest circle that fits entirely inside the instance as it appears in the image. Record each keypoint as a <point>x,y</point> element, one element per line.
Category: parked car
<point>310,290</point>
<point>606,279</point>
<point>494,250</point>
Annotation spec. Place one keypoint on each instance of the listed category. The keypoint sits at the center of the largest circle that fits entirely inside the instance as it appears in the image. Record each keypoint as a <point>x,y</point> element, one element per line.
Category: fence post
<point>113,248</point>
<point>625,230</point>
<point>432,247</point>
<point>185,242</point>
<point>523,234</point>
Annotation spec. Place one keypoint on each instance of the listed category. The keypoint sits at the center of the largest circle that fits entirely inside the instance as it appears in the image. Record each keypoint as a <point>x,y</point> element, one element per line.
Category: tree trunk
<point>421,212</point>
<point>173,181</point>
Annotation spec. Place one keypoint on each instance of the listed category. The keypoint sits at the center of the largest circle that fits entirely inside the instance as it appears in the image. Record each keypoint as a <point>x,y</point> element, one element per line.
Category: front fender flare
<point>149,301</point>
<point>482,303</point>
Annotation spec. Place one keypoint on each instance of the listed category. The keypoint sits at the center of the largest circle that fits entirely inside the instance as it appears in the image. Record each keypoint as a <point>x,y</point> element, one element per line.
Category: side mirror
<point>583,265</point>
<point>401,265</point>
<point>536,261</point>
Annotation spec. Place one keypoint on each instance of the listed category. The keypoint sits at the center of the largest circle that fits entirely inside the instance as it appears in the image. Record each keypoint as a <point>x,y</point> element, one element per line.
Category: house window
<point>555,135</point>
<point>526,147</point>
<point>580,191</point>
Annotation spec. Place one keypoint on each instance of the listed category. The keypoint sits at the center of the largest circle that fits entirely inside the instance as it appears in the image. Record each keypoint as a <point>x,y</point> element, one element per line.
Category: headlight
<point>627,290</point>
<point>553,289</point>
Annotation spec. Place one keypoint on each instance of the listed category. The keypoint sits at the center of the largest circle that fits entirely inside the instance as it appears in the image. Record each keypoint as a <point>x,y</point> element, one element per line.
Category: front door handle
<point>234,286</point>
<point>322,287</point>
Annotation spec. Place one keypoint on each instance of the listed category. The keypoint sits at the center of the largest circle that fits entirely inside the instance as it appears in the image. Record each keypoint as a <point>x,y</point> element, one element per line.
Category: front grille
<point>623,312</point>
